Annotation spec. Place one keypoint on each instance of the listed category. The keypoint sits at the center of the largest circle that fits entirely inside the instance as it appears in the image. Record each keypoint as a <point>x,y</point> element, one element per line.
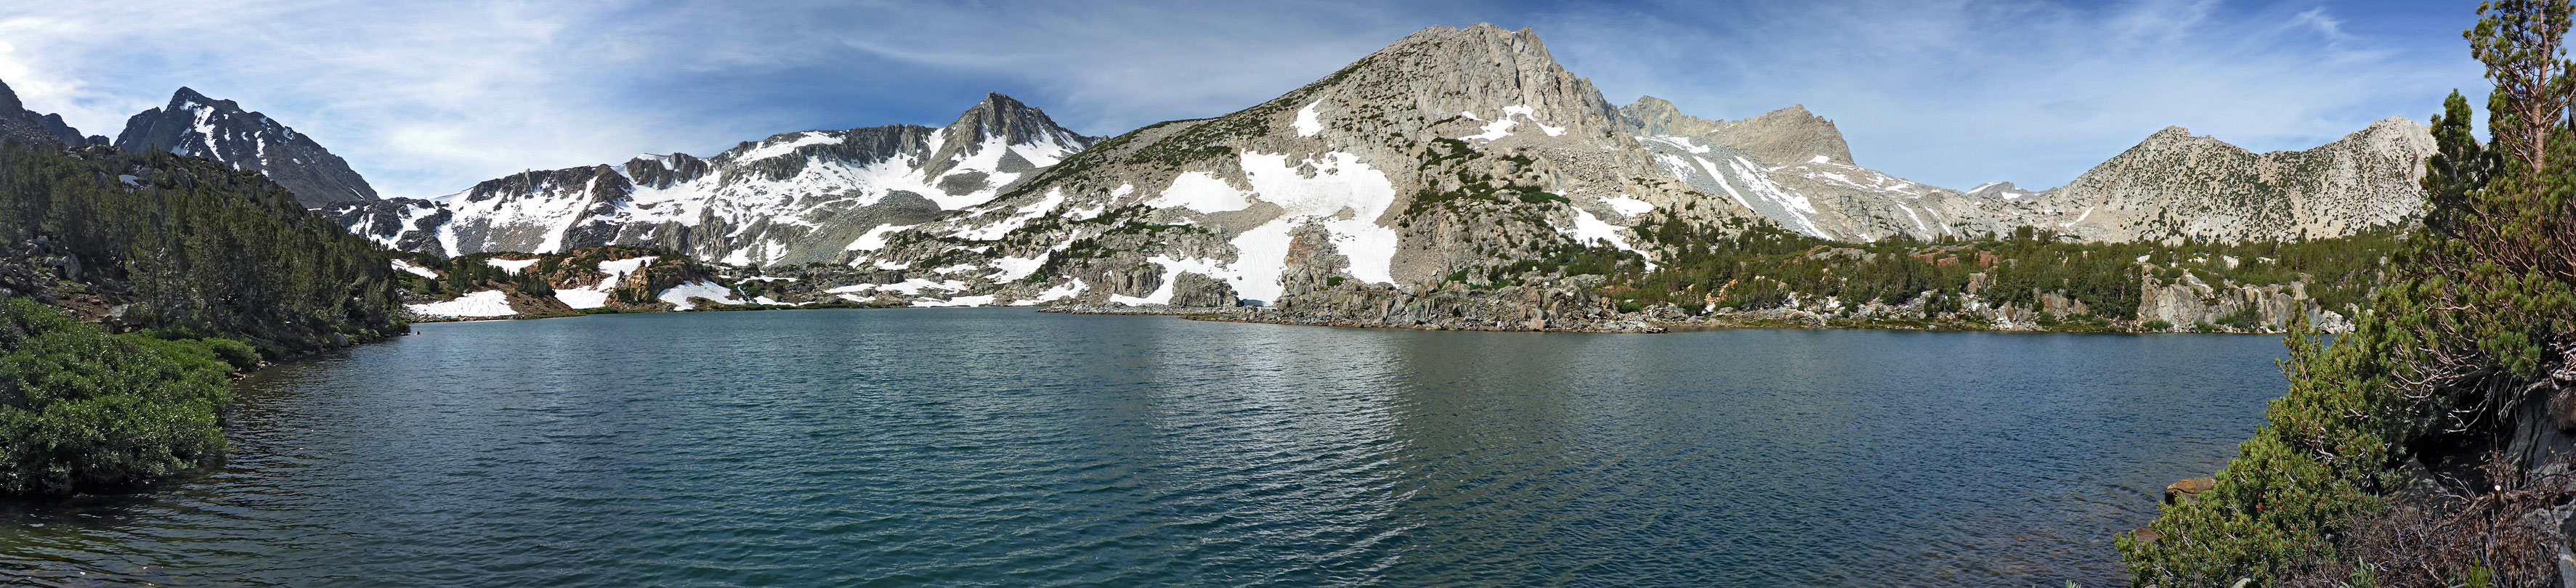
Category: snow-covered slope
<point>1451,154</point>
<point>792,198</point>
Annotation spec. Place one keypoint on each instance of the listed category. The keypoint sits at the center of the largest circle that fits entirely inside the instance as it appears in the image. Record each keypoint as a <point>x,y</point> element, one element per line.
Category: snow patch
<point>874,239</point>
<point>958,301</point>
<point>1307,125</point>
<point>1493,130</point>
<point>1203,192</point>
<point>582,298</point>
<point>510,266</point>
<point>1623,204</point>
<point>769,150</point>
<point>487,303</point>
<point>679,295</point>
<point>619,268</point>
<point>1588,229</point>
<point>1014,268</point>
<point>1345,197</point>
<point>1062,292</point>
<point>2088,213</point>
<point>406,266</point>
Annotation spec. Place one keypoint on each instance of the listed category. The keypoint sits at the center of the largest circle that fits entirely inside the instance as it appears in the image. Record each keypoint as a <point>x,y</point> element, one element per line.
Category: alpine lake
<point>1005,447</point>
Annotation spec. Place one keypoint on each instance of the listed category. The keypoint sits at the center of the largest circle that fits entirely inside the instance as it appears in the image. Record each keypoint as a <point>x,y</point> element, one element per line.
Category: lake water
<point>1002,447</point>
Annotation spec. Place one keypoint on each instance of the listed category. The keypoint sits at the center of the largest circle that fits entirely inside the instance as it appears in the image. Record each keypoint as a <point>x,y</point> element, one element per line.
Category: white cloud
<point>1959,93</point>
<point>429,97</point>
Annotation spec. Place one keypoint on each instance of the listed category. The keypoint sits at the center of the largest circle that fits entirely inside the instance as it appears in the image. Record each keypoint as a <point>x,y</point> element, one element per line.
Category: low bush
<point>83,410</point>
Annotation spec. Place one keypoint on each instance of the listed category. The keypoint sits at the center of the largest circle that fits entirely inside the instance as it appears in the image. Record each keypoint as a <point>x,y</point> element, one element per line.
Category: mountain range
<point>1451,157</point>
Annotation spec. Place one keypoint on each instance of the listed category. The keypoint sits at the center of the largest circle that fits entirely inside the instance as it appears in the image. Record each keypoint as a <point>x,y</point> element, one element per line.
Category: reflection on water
<point>1003,447</point>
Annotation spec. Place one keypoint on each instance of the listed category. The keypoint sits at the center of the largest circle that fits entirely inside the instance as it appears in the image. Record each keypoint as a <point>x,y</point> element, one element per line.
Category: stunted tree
<point>2467,355</point>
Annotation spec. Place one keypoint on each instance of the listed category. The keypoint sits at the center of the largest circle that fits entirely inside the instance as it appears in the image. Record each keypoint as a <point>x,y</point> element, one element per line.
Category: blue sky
<point>426,98</point>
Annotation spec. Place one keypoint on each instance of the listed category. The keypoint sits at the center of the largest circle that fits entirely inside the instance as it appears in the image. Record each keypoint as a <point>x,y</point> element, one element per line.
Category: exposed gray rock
<point>1781,136</point>
<point>2176,185</point>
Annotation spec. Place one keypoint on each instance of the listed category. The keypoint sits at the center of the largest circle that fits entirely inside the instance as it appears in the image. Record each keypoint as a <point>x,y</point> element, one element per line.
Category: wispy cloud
<point>428,97</point>
<point>1958,93</point>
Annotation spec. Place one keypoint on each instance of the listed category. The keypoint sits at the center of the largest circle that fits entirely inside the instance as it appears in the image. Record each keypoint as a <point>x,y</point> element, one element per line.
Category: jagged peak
<point>186,96</point>
<point>1652,104</point>
<point>9,100</point>
<point>1478,30</point>
<point>2171,132</point>
<point>1000,115</point>
<point>1787,135</point>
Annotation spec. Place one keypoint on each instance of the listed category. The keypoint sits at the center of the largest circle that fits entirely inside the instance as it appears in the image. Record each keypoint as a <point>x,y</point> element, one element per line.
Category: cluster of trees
<point>1752,266</point>
<point>213,268</point>
<point>2470,348</point>
<point>189,244</point>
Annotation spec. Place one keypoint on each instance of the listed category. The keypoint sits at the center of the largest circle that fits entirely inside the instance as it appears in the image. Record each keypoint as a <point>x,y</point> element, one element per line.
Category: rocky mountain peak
<point>187,96</point>
<point>1480,81</point>
<point>1656,116</point>
<point>1782,137</point>
<point>2175,134</point>
<point>1012,121</point>
<point>2367,179</point>
<point>196,125</point>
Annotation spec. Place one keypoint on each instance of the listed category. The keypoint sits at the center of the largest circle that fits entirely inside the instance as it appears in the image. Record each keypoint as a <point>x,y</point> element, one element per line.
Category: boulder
<point>2188,490</point>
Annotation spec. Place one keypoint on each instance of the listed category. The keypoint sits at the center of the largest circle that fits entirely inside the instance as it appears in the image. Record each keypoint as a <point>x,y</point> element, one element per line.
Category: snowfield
<point>511,266</point>
<point>487,303</point>
<point>679,295</point>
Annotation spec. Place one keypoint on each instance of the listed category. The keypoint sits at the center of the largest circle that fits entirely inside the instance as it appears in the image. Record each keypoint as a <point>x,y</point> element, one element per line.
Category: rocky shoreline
<point>1609,321</point>
<point>1254,314</point>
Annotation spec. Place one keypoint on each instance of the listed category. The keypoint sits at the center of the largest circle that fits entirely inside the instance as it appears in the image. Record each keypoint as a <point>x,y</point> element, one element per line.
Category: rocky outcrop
<point>193,124</point>
<point>1192,289</point>
<point>2188,490</point>
<point>2191,304</point>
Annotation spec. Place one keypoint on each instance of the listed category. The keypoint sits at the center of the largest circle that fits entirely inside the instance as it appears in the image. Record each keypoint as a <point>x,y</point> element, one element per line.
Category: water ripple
<point>993,447</point>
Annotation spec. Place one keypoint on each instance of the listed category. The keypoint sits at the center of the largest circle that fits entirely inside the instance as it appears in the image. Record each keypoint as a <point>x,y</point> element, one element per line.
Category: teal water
<point>1002,447</point>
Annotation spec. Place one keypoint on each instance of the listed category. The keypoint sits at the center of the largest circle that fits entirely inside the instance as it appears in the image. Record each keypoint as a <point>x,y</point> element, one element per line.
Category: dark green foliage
<point>84,410</point>
<point>194,244</point>
<point>2453,360</point>
<point>1570,259</point>
<point>1752,266</point>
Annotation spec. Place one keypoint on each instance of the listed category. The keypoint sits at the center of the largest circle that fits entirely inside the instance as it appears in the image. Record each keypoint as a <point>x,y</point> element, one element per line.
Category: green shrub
<point>84,410</point>
<point>2156,325</point>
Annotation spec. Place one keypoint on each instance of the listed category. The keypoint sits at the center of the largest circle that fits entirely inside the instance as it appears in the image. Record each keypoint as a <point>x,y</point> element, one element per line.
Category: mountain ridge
<point>20,124</point>
<point>194,124</point>
<point>795,197</point>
